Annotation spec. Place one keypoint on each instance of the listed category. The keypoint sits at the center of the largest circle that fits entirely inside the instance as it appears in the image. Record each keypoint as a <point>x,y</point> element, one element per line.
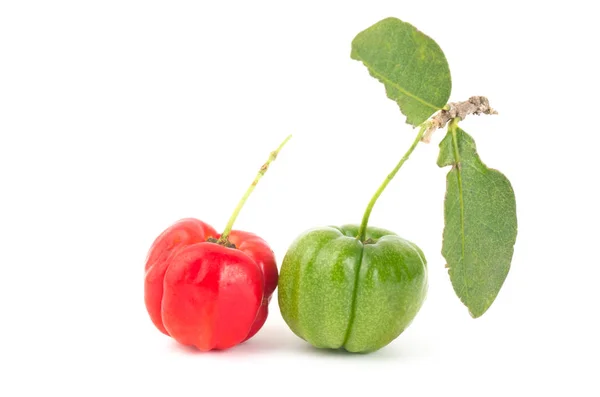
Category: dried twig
<point>475,105</point>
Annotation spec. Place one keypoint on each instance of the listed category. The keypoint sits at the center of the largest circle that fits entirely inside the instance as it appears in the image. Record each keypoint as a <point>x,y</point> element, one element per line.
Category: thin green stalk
<point>365,220</point>
<point>261,172</point>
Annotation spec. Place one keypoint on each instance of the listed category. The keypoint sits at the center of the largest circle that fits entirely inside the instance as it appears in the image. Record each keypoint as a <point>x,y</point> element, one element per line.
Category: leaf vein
<point>381,77</point>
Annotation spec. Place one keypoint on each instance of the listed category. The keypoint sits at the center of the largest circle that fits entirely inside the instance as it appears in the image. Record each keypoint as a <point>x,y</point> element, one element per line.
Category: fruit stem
<point>261,172</point>
<point>362,231</point>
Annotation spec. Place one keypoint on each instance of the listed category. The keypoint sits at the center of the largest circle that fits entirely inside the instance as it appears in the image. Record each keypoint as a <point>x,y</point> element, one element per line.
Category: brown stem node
<point>474,105</point>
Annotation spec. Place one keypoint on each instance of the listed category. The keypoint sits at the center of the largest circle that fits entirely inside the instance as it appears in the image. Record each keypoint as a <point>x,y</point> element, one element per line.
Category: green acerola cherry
<point>352,287</point>
<point>336,291</point>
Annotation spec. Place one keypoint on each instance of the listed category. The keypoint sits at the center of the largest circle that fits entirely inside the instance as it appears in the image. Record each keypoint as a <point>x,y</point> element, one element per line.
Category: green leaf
<point>410,64</point>
<point>480,223</point>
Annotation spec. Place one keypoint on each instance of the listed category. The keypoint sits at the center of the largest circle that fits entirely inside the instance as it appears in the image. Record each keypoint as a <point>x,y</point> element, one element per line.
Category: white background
<point>119,117</point>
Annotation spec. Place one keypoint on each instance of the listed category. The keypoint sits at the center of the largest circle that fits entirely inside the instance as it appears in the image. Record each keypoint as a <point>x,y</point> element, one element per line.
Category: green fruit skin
<point>337,292</point>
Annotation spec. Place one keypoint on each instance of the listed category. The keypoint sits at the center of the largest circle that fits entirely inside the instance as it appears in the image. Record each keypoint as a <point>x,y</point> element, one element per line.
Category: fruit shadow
<point>277,340</point>
<point>390,352</point>
<point>268,340</point>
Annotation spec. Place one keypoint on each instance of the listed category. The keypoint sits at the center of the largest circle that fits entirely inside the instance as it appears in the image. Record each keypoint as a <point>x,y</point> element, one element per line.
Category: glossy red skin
<point>205,294</point>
